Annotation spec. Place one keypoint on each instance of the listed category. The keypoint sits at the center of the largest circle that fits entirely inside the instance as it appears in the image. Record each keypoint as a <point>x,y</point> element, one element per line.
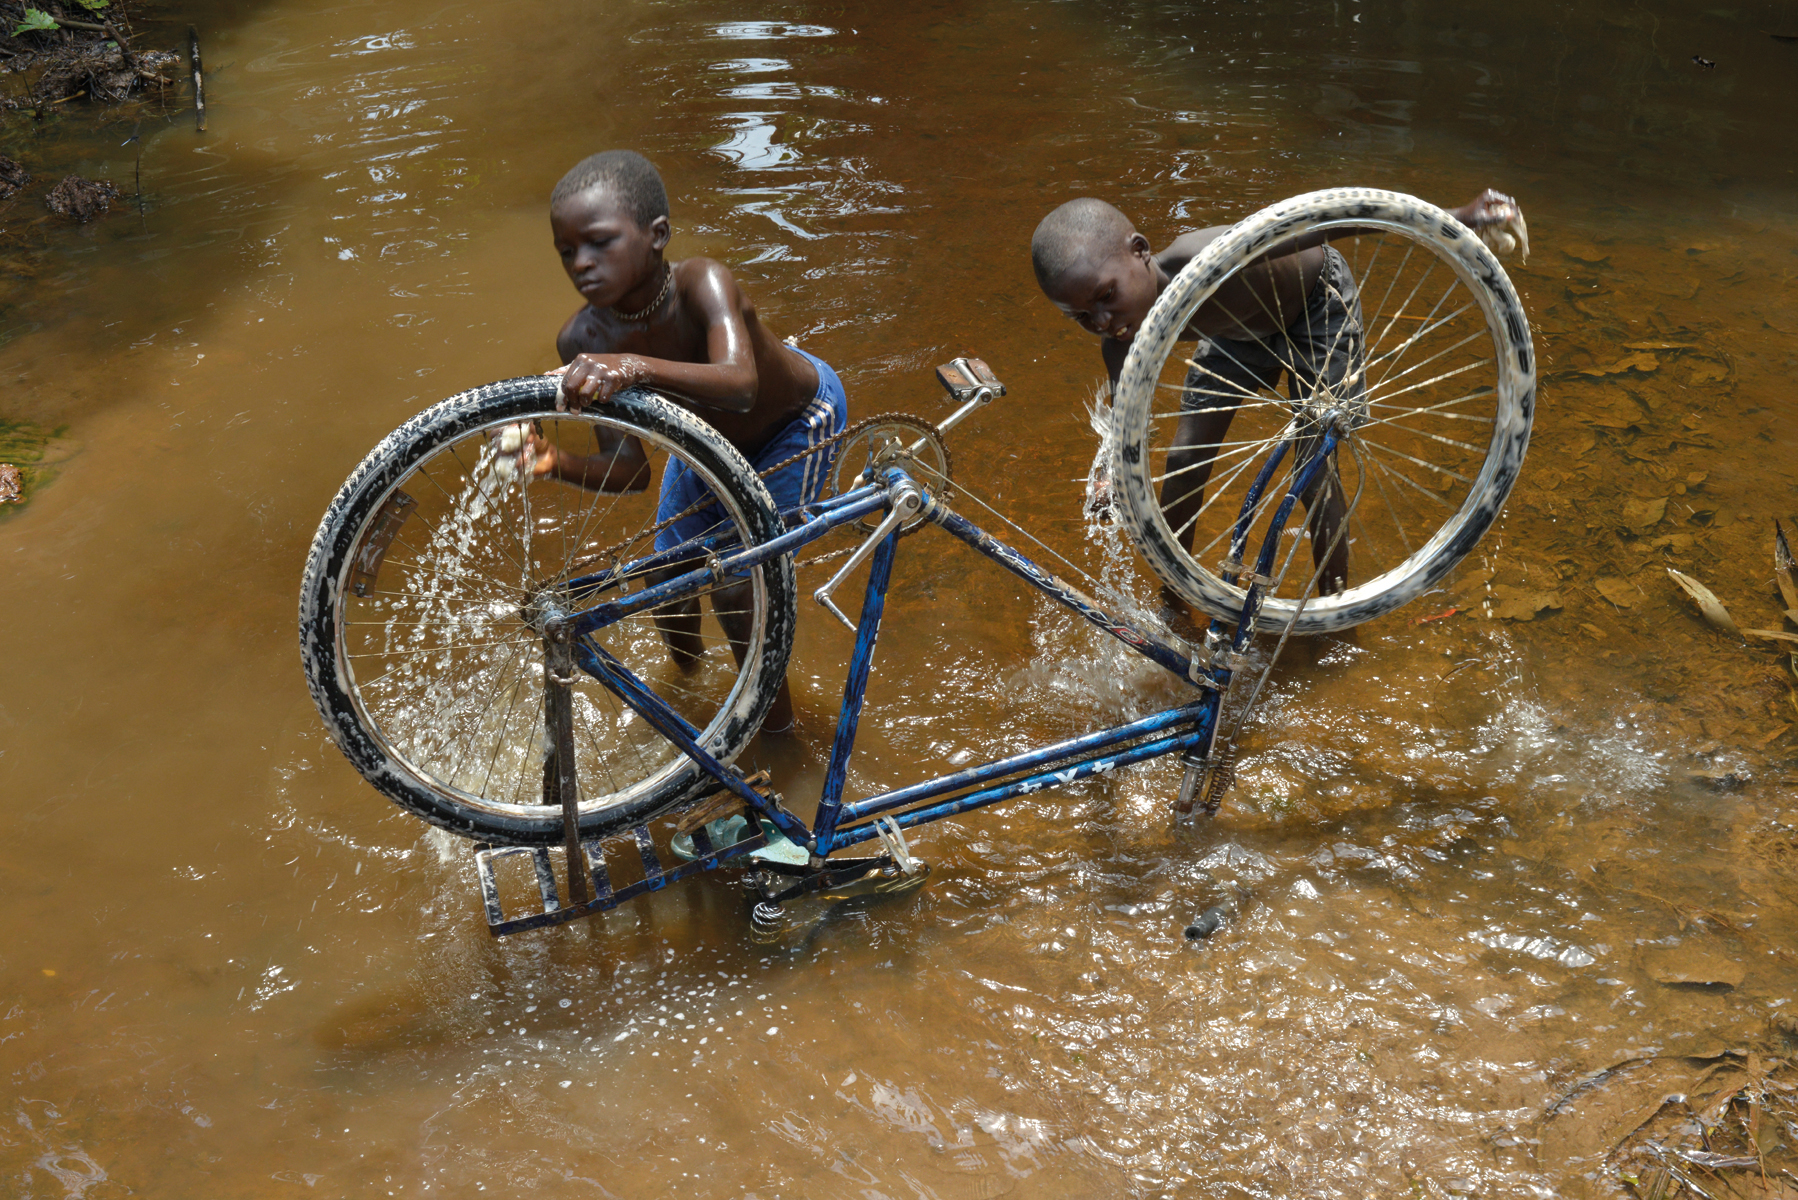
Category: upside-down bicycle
<point>484,647</point>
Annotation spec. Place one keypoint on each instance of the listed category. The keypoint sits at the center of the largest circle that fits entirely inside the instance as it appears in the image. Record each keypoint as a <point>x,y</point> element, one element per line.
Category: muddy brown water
<point>1486,916</point>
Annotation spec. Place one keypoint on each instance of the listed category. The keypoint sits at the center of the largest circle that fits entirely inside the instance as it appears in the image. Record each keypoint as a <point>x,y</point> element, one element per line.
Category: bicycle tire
<point>368,727</point>
<point>1511,403</point>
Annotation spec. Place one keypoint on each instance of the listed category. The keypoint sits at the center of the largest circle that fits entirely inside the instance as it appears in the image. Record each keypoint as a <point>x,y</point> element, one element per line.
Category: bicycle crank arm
<point>905,507</point>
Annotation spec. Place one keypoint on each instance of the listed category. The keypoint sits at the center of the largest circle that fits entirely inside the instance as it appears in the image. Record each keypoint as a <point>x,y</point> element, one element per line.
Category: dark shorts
<point>801,483</point>
<point>1324,347</point>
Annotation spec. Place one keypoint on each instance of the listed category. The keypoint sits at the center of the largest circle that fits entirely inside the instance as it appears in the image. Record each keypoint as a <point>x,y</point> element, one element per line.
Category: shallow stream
<point>1498,886</point>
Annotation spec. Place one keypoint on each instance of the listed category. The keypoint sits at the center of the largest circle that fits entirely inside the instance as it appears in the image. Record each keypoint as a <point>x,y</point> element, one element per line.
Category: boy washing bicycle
<point>686,330</point>
<point>1295,311</point>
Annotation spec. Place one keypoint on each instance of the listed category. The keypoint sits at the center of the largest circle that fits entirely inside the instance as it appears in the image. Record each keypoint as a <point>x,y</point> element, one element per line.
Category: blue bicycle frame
<point>1187,730</point>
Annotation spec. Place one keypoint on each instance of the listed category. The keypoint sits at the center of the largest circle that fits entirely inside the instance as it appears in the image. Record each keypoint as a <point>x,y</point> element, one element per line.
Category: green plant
<point>93,5</point>
<point>35,19</point>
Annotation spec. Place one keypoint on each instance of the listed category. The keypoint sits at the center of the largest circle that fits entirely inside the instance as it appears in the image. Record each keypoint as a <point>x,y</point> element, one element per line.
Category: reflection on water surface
<point>1495,887</point>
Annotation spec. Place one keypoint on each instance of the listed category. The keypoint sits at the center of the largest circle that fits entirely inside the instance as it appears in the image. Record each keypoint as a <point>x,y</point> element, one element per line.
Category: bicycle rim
<point>446,672</point>
<point>1413,346</point>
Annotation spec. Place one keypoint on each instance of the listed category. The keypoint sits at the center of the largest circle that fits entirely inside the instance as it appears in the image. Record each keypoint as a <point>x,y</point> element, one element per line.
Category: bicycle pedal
<point>699,850</point>
<point>886,881</point>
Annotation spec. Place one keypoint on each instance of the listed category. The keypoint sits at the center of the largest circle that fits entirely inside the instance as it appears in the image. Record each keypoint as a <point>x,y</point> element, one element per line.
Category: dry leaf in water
<point>1694,968</point>
<point>1521,604</point>
<point>1641,361</point>
<point>1785,571</point>
<point>1620,592</point>
<point>1643,515</point>
<point>1707,602</point>
<point>1771,635</point>
<point>1708,371</point>
<point>1585,252</point>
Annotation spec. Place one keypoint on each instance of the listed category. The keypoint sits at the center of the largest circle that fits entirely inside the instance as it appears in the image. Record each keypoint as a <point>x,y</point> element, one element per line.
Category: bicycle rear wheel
<point>415,612</point>
<point>1428,373</point>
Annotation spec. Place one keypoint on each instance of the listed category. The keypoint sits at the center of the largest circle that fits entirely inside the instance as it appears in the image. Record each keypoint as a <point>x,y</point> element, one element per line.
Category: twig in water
<point>137,171</point>
<point>193,53</point>
<point>125,55</point>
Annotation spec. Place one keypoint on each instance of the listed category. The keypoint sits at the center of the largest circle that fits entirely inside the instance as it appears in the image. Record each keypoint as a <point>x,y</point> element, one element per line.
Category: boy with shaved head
<point>1294,311</point>
<point>688,331</point>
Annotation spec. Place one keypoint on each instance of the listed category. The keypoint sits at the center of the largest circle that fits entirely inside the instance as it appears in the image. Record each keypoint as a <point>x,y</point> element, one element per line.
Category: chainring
<point>893,439</point>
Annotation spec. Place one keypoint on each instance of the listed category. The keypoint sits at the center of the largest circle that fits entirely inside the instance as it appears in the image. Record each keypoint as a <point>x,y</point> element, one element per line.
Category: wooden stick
<point>193,53</point>
<point>125,55</point>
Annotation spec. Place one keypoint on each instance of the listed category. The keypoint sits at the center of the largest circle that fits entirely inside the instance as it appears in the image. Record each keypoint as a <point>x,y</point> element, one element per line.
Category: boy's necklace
<point>667,282</point>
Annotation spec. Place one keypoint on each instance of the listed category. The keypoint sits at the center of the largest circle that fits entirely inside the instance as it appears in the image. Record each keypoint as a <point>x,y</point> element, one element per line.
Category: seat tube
<point>855,690</point>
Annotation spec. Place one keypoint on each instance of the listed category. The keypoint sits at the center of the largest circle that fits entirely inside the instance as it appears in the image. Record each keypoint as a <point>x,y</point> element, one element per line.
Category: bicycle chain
<point>828,443</point>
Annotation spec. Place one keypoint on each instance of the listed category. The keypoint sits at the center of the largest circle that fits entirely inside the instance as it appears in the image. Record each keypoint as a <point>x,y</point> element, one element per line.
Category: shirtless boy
<point>688,331</point>
<point>1296,304</point>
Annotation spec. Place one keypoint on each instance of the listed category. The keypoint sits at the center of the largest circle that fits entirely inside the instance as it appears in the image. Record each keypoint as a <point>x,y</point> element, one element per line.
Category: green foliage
<point>35,19</point>
<point>93,5</point>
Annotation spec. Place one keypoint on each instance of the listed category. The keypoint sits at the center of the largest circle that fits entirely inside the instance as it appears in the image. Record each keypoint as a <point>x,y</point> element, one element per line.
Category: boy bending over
<point>1294,311</point>
<point>687,330</point>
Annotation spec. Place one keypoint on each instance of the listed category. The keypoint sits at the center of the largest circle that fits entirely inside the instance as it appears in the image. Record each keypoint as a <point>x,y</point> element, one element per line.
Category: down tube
<point>1062,776</point>
<point>855,688</point>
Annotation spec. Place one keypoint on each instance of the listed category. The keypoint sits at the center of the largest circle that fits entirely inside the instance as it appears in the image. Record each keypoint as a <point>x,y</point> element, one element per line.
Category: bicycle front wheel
<point>1413,346</point>
<point>416,610</point>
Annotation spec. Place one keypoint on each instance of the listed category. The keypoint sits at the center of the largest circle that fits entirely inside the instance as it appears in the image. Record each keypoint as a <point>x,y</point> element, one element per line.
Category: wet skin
<point>702,345</point>
<point>1109,292</point>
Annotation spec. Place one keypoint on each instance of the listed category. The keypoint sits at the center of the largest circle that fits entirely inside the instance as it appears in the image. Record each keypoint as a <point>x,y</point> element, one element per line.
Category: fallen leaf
<point>1585,252</point>
<point>1707,371</point>
<point>1771,635</point>
<point>1695,968</point>
<point>1522,604</point>
<point>1606,1107</point>
<point>1707,602</point>
<point>1696,478</point>
<point>1593,631</point>
<point>1643,515</point>
<point>1620,592</point>
<point>1581,442</point>
<point>1641,361</point>
<point>1660,345</point>
<point>1474,577</point>
<point>1785,571</point>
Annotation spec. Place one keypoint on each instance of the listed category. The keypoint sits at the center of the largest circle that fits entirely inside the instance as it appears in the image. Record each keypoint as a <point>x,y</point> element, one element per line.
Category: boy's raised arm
<point>727,380</point>
<point>1486,209</point>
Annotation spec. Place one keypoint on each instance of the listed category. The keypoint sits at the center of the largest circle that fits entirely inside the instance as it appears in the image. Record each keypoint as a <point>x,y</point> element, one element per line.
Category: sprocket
<point>893,439</point>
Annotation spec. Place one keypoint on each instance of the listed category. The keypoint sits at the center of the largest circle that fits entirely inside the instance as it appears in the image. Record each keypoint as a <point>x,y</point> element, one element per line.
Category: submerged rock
<point>83,199</point>
<point>13,176</point>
